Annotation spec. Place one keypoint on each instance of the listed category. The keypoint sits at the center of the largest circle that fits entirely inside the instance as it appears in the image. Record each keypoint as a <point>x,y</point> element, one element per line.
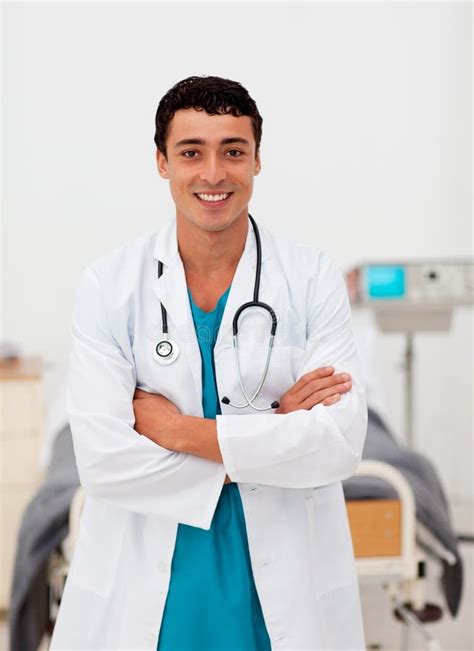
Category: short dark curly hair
<point>214,95</point>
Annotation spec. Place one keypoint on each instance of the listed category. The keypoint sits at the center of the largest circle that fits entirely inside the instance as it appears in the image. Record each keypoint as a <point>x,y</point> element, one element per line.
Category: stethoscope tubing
<point>274,405</point>
<point>172,355</point>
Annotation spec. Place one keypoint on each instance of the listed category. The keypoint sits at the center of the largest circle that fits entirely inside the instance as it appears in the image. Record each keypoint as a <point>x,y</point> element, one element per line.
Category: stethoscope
<point>166,351</point>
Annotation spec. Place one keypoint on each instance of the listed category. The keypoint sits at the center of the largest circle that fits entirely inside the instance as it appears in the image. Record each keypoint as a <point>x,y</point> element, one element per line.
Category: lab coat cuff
<point>225,447</point>
<point>215,490</point>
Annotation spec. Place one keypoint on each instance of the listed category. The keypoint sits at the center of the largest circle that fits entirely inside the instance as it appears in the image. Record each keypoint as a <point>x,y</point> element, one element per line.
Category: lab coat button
<point>162,566</point>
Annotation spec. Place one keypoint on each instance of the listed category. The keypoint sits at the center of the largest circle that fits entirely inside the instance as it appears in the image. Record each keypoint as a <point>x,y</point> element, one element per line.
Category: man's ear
<point>258,164</point>
<point>162,164</point>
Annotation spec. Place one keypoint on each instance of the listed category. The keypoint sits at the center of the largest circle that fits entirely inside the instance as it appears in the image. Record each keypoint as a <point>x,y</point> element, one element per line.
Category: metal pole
<point>409,402</point>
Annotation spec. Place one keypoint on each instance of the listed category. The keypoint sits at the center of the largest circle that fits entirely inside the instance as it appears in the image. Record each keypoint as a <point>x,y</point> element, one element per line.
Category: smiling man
<point>211,182</point>
<point>216,404</point>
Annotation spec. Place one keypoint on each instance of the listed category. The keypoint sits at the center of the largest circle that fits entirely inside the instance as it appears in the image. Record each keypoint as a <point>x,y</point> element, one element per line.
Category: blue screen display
<point>385,282</point>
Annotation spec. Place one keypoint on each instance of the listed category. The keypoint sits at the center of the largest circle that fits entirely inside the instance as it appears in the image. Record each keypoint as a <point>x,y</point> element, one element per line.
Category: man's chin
<point>210,222</point>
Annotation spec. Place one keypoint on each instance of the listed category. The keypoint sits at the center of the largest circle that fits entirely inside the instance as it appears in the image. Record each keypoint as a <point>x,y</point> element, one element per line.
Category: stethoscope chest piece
<point>165,352</point>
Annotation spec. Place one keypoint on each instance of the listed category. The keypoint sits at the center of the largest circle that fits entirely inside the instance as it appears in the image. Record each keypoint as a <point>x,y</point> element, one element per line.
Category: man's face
<point>219,160</point>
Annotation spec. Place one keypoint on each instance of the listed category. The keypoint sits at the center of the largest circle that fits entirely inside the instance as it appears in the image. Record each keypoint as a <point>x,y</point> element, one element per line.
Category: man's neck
<point>211,253</point>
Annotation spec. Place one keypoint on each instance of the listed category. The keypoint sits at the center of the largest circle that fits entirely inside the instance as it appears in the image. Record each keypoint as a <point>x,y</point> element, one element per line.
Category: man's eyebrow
<point>200,141</point>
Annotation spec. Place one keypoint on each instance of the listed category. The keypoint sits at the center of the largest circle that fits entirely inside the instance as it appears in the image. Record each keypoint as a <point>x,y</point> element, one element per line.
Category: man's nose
<point>213,171</point>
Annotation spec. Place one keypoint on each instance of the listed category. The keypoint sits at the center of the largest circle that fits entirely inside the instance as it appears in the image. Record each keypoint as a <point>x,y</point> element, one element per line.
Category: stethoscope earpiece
<point>275,404</point>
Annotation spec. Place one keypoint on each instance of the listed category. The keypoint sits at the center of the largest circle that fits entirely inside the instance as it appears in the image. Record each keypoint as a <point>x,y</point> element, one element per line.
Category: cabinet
<point>21,427</point>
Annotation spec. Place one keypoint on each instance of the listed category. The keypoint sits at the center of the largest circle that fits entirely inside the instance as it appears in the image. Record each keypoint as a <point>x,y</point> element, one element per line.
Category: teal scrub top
<point>212,602</point>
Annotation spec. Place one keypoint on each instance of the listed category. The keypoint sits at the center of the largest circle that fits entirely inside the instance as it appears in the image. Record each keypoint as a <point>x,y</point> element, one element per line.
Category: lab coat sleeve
<point>306,448</point>
<point>114,462</point>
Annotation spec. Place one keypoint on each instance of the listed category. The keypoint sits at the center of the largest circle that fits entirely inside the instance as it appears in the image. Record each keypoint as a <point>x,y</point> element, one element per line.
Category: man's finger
<point>327,393</point>
<point>319,396</point>
<point>325,371</point>
<point>336,382</point>
<point>332,400</point>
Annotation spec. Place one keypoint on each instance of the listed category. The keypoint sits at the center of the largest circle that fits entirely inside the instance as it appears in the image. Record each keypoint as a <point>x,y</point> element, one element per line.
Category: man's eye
<point>236,153</point>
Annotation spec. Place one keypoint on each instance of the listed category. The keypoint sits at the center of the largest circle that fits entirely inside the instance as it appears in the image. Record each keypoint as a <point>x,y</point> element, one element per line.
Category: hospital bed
<point>384,536</point>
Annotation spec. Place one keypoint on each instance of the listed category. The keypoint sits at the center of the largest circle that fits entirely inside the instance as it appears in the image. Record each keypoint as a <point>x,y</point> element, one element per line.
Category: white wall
<point>366,152</point>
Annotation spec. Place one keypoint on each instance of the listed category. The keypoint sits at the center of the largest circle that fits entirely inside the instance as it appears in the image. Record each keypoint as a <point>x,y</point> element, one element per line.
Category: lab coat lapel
<point>171,290</point>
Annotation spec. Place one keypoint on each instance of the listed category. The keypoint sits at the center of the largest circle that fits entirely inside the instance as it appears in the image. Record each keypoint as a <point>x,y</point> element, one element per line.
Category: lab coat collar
<point>166,244</point>
<point>170,288</point>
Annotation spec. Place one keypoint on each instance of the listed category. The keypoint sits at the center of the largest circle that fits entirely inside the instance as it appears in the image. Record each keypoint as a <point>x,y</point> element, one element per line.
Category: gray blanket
<point>431,504</point>
<point>45,525</point>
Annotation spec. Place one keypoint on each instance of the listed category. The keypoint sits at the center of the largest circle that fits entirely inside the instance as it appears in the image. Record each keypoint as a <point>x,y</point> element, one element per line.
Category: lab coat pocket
<point>98,546</point>
<point>331,551</point>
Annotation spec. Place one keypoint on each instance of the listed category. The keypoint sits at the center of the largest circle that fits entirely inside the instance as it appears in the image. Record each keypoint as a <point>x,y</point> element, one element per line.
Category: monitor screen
<point>385,282</point>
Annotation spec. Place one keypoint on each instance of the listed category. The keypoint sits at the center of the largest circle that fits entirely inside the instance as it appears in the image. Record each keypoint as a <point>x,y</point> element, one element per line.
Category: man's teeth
<point>213,197</point>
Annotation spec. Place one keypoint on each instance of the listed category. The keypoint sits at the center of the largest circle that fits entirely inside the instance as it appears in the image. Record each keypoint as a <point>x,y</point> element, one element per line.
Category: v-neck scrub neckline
<point>196,308</point>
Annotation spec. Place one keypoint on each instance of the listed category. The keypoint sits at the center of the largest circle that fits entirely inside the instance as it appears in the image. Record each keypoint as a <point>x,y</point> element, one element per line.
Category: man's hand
<point>155,417</point>
<point>319,386</point>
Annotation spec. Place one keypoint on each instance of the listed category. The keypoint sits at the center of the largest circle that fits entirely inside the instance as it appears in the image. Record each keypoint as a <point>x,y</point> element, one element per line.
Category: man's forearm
<point>197,436</point>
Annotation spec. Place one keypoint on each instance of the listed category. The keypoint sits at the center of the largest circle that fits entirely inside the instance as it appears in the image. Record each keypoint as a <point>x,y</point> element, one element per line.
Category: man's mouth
<point>214,200</point>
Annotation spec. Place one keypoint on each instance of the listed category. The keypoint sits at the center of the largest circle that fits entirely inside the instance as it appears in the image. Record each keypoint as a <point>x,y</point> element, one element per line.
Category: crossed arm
<point>160,420</point>
<point>175,469</point>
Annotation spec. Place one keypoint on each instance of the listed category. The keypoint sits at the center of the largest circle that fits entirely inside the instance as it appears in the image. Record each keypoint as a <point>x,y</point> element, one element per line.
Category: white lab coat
<point>288,467</point>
